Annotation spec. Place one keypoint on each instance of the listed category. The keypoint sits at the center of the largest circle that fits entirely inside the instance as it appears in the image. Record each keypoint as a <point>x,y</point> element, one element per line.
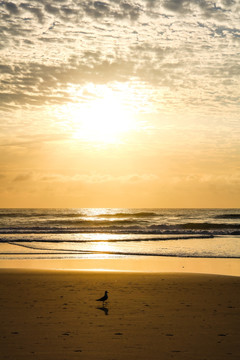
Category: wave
<point>95,223</point>
<point>209,226</point>
<point>108,240</point>
<point>129,224</point>
<point>10,215</point>
<point>86,223</point>
<point>50,255</point>
<point>68,253</point>
<point>40,215</point>
<point>156,230</point>
<point>228,216</point>
<point>142,214</point>
<point>83,218</point>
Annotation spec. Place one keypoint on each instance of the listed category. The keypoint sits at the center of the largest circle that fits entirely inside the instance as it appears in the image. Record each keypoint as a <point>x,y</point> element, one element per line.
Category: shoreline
<point>212,266</point>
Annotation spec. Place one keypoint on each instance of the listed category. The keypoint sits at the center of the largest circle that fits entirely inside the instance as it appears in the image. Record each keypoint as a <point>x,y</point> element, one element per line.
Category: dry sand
<point>53,315</point>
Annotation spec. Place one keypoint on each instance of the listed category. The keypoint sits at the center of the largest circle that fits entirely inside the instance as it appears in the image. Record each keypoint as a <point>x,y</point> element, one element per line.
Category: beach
<point>173,277</point>
<point>53,314</point>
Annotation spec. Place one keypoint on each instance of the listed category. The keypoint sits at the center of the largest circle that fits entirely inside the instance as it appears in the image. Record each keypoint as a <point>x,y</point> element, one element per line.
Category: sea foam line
<point>186,237</point>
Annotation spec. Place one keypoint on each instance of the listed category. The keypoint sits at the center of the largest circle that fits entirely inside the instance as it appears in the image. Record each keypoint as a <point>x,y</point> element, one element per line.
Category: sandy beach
<point>48,314</point>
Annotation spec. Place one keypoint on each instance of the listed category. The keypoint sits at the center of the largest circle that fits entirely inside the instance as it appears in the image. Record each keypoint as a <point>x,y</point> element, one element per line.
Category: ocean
<point>76,233</point>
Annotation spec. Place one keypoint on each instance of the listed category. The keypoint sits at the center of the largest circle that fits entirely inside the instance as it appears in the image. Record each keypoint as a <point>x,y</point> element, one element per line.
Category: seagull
<point>104,298</point>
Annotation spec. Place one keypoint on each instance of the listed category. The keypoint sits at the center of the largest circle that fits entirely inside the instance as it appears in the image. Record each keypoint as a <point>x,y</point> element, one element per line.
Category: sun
<point>104,120</point>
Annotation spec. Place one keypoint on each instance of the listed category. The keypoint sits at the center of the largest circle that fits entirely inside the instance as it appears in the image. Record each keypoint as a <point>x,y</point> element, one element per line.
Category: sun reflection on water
<point>102,246</point>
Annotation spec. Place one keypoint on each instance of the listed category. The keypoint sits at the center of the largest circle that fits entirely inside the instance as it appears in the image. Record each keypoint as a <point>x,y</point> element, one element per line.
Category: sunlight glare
<point>103,120</point>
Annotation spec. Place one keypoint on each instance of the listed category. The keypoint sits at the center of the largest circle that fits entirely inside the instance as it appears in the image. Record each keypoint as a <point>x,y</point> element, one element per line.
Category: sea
<point>76,233</point>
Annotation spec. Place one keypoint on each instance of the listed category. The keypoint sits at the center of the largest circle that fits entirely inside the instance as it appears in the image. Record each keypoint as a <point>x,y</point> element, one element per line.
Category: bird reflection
<point>104,309</point>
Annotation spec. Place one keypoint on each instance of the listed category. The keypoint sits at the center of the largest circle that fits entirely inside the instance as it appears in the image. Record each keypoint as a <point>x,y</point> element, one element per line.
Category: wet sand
<point>157,264</point>
<point>50,315</point>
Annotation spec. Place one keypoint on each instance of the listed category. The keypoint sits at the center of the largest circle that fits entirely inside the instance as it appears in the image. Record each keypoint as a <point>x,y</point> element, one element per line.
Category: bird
<point>104,298</point>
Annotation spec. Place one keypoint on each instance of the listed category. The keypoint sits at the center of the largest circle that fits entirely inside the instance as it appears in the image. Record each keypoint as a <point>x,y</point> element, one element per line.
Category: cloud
<point>180,6</point>
<point>212,182</point>
<point>162,44</point>
<point>11,7</point>
<point>100,178</point>
<point>205,9</point>
<point>26,81</point>
<point>51,9</point>
<point>22,177</point>
<point>26,141</point>
<point>151,184</point>
<point>74,11</point>
<point>37,11</point>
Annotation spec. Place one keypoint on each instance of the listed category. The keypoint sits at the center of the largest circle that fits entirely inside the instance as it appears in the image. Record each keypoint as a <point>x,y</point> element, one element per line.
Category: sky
<point>120,103</point>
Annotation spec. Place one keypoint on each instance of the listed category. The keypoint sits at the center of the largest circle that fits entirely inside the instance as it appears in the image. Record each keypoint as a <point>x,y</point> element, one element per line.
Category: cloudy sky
<point>120,103</point>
